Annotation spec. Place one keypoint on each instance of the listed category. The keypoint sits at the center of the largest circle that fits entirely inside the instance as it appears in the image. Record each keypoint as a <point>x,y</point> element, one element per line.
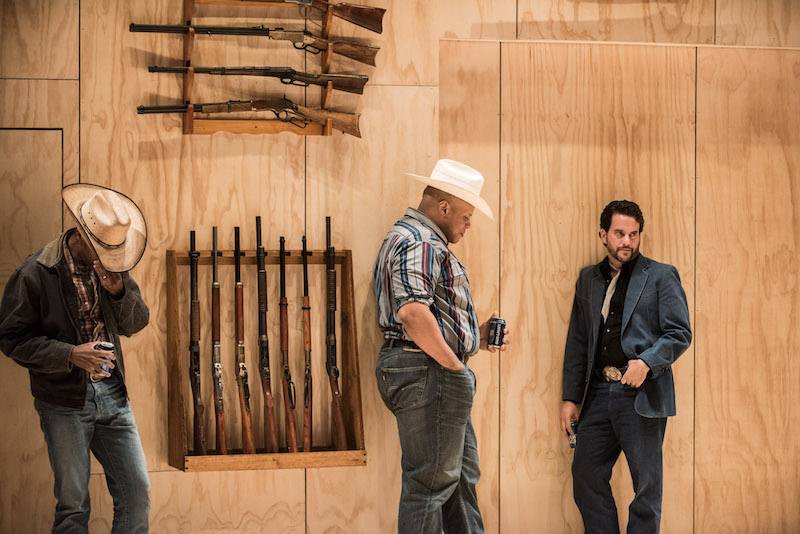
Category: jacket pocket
<point>402,387</point>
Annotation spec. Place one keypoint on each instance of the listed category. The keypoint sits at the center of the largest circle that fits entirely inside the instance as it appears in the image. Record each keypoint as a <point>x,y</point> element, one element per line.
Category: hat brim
<point>120,259</point>
<point>448,187</point>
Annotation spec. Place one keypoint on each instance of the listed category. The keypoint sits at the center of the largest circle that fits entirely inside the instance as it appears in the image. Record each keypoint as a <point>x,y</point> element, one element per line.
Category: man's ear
<point>602,234</point>
<point>444,206</point>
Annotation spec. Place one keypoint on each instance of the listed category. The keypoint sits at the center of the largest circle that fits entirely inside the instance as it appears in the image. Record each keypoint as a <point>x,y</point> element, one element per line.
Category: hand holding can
<point>107,346</point>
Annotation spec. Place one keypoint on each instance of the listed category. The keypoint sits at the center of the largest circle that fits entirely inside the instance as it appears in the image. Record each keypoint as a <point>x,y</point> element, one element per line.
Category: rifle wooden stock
<point>308,383</point>
<point>367,17</point>
<point>288,385</point>
<point>344,122</point>
<point>248,441</point>
<point>337,404</point>
<point>194,353</point>
<point>216,366</point>
<point>270,426</point>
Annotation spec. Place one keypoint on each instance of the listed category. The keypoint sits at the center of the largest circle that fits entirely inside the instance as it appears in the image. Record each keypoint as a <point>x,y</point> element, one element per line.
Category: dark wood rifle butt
<point>337,414</point>
<point>248,441</point>
<point>357,52</point>
<point>367,17</point>
<point>307,423</point>
<point>291,427</point>
<point>270,425</point>
<point>222,447</point>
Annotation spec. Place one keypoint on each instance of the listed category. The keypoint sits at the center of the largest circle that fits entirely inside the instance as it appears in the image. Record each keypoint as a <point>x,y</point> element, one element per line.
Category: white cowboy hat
<point>460,181</point>
<point>113,223</point>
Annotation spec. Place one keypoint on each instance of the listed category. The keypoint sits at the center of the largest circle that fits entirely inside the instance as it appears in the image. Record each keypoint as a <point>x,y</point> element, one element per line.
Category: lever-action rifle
<point>350,83</point>
<point>194,352</point>
<point>216,365</point>
<point>248,442</point>
<point>300,39</point>
<point>337,403</point>
<point>367,17</point>
<point>288,385</point>
<point>285,110</point>
<point>270,427</point>
<point>307,387</point>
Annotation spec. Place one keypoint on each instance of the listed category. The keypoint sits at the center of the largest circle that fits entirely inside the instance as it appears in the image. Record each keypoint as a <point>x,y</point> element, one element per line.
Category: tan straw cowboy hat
<point>113,223</point>
<point>460,181</point>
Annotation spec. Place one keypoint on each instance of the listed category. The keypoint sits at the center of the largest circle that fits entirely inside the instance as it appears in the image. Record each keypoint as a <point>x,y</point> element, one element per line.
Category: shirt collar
<point>627,267</point>
<point>424,219</point>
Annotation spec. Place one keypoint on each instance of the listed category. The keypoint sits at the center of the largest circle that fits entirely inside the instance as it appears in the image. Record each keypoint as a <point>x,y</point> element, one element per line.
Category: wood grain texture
<point>748,238</point>
<point>30,213</point>
<point>763,23</point>
<point>469,132</point>
<point>44,104</point>
<point>681,21</point>
<point>39,39</point>
<point>583,125</point>
<point>400,135</point>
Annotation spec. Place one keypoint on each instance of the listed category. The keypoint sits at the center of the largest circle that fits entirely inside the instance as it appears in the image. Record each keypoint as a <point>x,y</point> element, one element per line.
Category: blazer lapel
<point>635,288</point>
<point>596,303</point>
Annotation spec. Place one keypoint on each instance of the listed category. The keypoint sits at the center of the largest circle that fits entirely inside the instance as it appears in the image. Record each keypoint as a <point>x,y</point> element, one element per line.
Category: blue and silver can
<point>107,346</point>
<point>497,329</point>
<point>573,439</point>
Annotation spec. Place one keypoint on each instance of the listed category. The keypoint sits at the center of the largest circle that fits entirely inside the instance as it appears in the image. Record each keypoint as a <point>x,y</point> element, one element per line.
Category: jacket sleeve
<point>130,311</point>
<point>673,319</point>
<point>20,335</point>
<point>575,353</point>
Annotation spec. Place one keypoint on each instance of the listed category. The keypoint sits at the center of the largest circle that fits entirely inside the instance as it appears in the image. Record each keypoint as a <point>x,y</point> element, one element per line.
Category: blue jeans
<point>432,406</point>
<point>106,426</point>
<point>609,424</point>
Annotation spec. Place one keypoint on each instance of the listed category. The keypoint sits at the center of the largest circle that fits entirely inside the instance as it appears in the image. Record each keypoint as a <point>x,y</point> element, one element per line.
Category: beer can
<point>107,346</point>
<point>496,332</point>
<point>573,439</point>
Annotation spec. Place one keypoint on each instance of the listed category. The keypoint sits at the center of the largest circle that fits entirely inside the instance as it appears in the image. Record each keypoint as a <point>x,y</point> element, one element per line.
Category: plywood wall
<point>585,122</point>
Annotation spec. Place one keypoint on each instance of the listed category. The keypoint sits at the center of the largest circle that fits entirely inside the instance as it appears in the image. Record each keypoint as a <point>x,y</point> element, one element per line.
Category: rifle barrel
<point>308,383</point>
<point>337,402</point>
<point>248,442</point>
<point>288,385</point>
<point>216,350</point>
<point>194,352</point>
<point>270,426</point>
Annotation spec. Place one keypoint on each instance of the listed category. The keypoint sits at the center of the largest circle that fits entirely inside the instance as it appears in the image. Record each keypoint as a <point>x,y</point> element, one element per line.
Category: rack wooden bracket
<point>177,344</point>
<point>192,125</point>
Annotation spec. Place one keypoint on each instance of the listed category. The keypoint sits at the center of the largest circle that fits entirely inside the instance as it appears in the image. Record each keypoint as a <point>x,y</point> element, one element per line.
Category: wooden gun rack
<point>253,126</point>
<point>178,375</point>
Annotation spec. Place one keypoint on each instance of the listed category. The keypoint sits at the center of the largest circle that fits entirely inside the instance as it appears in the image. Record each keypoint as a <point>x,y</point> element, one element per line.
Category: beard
<point>615,253</point>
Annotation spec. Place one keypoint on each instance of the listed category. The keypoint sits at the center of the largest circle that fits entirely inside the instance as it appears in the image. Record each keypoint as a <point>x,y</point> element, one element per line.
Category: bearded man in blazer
<point>629,323</point>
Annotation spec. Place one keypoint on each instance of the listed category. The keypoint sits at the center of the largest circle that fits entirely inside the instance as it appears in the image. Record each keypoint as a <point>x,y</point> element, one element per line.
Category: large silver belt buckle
<point>612,374</point>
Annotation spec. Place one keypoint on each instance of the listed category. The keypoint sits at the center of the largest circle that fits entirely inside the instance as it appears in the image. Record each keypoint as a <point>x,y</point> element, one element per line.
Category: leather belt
<point>610,373</point>
<point>409,345</point>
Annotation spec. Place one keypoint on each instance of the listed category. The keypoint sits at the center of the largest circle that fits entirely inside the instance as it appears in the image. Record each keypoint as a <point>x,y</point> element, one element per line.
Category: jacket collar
<point>635,288</point>
<point>53,252</point>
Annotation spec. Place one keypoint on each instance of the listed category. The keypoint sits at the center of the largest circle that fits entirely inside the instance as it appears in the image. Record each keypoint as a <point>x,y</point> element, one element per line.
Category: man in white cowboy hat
<point>428,320</point>
<point>57,306</point>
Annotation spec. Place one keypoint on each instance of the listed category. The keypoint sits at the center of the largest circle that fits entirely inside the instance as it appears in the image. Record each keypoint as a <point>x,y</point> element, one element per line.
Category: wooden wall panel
<point>682,21</point>
<point>471,134</point>
<point>584,125</point>
<point>39,39</point>
<point>763,23</point>
<point>410,40</point>
<point>365,192</point>
<point>44,104</point>
<point>30,214</point>
<point>748,239</point>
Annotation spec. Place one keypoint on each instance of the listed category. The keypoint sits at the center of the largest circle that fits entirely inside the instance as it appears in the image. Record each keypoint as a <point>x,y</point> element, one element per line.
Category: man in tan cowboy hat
<point>57,307</point>
<point>428,320</point>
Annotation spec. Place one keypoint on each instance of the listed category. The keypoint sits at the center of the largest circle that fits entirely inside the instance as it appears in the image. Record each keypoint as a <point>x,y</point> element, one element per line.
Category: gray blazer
<point>655,328</point>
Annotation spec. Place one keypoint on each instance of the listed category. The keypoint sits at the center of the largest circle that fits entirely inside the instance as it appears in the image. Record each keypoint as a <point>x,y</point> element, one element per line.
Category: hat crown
<point>106,218</point>
<point>448,170</point>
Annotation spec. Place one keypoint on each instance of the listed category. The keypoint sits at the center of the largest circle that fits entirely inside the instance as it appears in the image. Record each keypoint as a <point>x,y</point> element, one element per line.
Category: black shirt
<point>609,346</point>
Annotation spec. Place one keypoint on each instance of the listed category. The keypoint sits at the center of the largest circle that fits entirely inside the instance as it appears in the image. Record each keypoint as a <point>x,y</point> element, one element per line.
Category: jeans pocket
<point>402,387</point>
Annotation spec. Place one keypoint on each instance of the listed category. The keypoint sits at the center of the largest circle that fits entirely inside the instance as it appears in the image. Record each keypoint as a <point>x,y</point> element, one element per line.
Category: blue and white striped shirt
<point>415,265</point>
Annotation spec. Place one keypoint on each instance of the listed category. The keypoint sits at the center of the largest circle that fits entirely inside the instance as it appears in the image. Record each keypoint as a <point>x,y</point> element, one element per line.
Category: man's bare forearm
<point>420,324</point>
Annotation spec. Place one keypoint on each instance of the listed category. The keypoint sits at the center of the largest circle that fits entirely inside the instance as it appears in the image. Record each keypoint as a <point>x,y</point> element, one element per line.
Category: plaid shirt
<point>90,317</point>
<point>415,265</point>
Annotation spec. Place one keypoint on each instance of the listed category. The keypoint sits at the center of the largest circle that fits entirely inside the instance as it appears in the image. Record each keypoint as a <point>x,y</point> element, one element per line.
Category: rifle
<point>216,366</point>
<point>350,83</point>
<point>300,39</point>
<point>307,388</point>
<point>194,353</point>
<point>288,385</point>
<point>248,443</point>
<point>367,17</point>
<point>285,110</point>
<point>337,403</point>
<point>270,428</point>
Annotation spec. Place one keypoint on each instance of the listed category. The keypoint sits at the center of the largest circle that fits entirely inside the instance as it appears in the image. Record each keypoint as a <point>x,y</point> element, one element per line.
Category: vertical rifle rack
<point>179,405</point>
<point>254,126</point>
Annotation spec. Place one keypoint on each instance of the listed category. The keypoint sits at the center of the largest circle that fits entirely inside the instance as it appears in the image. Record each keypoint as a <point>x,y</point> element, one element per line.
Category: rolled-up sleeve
<point>415,270</point>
